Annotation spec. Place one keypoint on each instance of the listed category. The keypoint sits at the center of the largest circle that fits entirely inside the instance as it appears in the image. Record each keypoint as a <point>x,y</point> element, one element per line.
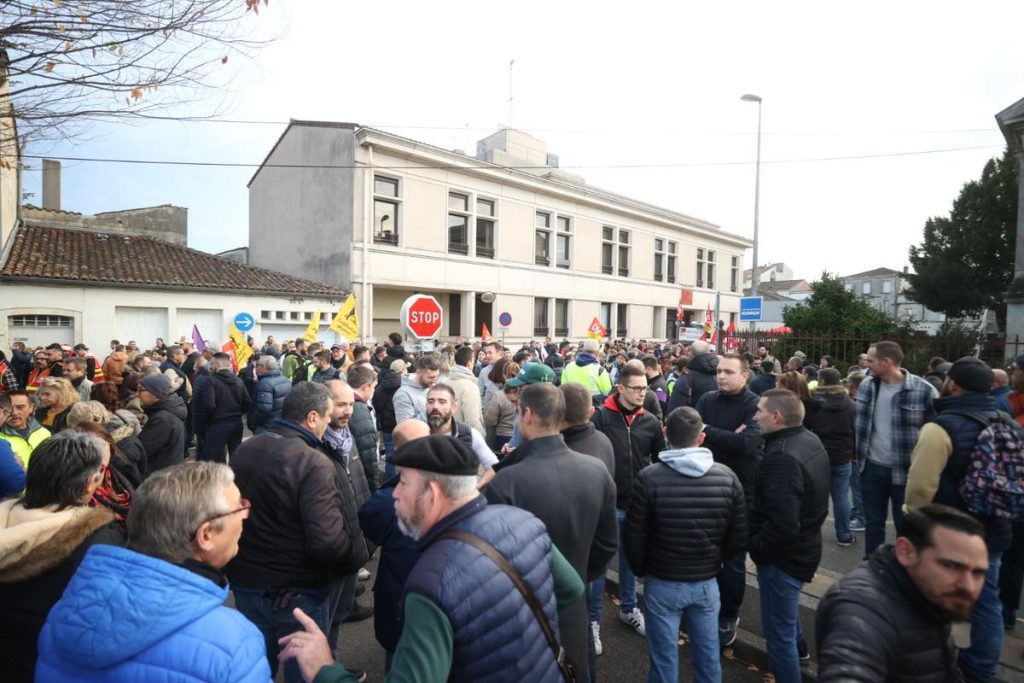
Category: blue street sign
<point>750,308</point>
<point>505,319</point>
<point>244,322</point>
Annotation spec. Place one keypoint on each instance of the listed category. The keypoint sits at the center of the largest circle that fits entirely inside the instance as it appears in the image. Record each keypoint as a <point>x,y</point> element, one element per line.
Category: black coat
<point>354,492</point>
<point>587,440</point>
<point>636,440</point>
<point>875,625</point>
<point>790,502</point>
<point>364,435</point>
<point>163,436</point>
<point>295,535</point>
<point>681,394</point>
<point>225,397</point>
<point>831,415</point>
<point>383,403</point>
<point>574,496</point>
<point>702,371</point>
<point>681,527</point>
<point>740,451</point>
<point>762,382</point>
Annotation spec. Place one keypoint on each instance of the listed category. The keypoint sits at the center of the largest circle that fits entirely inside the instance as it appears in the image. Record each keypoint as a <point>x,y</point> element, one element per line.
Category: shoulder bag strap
<point>531,599</point>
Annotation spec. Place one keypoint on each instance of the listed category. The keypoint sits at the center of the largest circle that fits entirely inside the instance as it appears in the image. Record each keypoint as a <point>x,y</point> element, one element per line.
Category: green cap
<point>534,373</point>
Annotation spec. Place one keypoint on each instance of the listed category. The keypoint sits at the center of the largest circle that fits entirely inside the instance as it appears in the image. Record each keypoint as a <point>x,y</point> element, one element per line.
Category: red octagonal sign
<point>422,316</point>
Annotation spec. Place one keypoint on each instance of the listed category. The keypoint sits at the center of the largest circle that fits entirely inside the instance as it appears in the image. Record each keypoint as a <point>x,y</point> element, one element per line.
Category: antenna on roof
<point>510,65</point>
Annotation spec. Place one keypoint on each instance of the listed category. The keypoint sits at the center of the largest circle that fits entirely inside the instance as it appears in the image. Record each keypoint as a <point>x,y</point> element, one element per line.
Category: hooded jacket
<point>636,438</point>
<point>875,625</point>
<point>383,400</point>
<point>467,394</point>
<point>225,397</point>
<point>702,370</point>
<point>268,402</point>
<point>410,400</point>
<point>587,371</point>
<point>39,552</point>
<point>163,437</point>
<point>831,415</point>
<point>129,617</point>
<point>686,516</point>
<point>113,367</point>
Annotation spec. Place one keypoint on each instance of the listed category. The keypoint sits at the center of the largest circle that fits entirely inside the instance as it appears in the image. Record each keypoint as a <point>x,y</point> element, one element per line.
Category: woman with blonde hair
<point>56,396</point>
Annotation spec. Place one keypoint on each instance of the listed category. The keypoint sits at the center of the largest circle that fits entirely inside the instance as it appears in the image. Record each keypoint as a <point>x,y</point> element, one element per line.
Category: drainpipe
<point>367,315</point>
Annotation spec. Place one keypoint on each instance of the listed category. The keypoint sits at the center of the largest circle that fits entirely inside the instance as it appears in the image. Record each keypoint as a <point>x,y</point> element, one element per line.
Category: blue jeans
<point>627,581</point>
<point>342,591</point>
<point>879,492</point>
<point>732,585</point>
<point>274,620</point>
<point>389,449</point>
<point>980,660</point>
<point>857,510</point>
<point>665,602</point>
<point>780,619</point>
<point>840,483</point>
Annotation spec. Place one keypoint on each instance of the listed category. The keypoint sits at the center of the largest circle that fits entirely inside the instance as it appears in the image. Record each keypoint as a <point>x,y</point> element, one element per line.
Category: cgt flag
<point>346,323</point>
<point>596,330</point>
<point>709,326</point>
<point>485,334</point>
<point>313,329</point>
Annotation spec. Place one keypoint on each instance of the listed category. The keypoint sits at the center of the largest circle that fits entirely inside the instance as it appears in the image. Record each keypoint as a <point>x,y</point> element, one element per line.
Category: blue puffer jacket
<point>130,617</point>
<point>271,391</point>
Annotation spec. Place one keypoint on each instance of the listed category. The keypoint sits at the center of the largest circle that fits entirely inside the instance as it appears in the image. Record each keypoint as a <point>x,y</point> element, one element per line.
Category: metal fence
<point>994,349</point>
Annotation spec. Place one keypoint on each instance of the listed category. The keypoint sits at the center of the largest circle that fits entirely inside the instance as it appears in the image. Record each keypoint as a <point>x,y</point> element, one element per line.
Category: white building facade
<point>361,209</point>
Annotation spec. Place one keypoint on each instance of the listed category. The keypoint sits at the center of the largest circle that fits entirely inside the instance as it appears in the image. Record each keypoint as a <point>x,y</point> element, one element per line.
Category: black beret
<point>440,453</point>
<point>972,374</point>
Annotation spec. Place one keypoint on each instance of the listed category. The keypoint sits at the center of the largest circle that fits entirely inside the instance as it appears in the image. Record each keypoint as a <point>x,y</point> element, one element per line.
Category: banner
<point>731,343</point>
<point>485,334</point>
<point>346,323</point>
<point>313,329</point>
<point>242,350</point>
<point>596,330</point>
<point>685,299</point>
<point>197,339</point>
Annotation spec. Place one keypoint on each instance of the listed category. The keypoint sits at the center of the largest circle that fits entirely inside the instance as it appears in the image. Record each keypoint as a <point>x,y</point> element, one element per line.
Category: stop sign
<point>422,316</point>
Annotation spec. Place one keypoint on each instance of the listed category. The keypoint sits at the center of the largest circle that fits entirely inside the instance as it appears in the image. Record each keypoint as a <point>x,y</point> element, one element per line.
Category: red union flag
<point>596,330</point>
<point>485,334</point>
<point>731,342</point>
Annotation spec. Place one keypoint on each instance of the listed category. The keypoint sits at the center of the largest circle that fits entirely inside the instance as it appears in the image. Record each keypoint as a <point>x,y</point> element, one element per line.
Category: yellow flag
<point>346,323</point>
<point>313,330</point>
<point>242,348</point>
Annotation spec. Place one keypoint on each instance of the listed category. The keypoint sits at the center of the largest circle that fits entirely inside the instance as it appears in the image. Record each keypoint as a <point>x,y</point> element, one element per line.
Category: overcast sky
<point>638,98</point>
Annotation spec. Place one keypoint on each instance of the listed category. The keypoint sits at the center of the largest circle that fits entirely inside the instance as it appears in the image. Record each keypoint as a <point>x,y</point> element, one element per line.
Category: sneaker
<point>634,619</point>
<point>727,631</point>
<point>358,612</point>
<point>364,575</point>
<point>801,650</point>
<point>595,630</point>
<point>857,525</point>
<point>357,674</point>
<point>852,540</point>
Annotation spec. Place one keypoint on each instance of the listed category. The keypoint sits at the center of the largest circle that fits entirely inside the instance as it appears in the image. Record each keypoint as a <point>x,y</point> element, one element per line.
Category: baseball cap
<point>534,373</point>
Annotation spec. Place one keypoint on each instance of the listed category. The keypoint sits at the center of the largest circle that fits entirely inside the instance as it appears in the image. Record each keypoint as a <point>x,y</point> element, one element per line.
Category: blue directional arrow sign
<point>244,322</point>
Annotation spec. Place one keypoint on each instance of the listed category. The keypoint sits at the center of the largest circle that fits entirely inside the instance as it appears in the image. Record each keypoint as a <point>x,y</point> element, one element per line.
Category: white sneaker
<point>364,574</point>
<point>595,629</point>
<point>634,619</point>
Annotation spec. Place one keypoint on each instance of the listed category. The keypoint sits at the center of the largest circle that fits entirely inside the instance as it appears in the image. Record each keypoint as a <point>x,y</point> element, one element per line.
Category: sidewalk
<point>750,645</point>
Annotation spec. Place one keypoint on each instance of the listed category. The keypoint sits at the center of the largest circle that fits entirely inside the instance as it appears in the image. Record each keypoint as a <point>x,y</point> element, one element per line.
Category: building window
<point>670,267</point>
<point>670,323</point>
<point>886,286</point>
<point>386,204</point>
<point>701,263</point>
<point>454,314</point>
<point>606,316</point>
<point>264,315</point>
<point>458,223</point>
<point>485,228</point>
<point>622,321</point>
<point>623,253</point>
<point>607,251</point>
<point>659,259</point>
<point>542,242</point>
<point>711,269</point>
<point>40,321</point>
<point>563,242</point>
<point>734,274</point>
<point>848,287</point>
<point>281,315</point>
<point>865,288</point>
<point>540,317</point>
<point>561,317</point>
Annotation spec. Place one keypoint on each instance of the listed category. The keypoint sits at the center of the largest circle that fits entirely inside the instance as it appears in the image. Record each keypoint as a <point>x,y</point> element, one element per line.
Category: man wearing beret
<point>938,465</point>
<point>464,619</point>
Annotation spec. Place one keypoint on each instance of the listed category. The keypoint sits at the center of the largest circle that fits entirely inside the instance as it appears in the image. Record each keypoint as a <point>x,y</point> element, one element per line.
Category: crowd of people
<point>495,486</point>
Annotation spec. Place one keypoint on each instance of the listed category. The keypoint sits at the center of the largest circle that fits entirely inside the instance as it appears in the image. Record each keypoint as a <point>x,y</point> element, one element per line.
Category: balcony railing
<point>386,238</point>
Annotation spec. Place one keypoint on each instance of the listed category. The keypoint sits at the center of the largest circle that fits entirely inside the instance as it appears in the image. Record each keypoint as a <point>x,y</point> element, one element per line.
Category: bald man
<point>398,553</point>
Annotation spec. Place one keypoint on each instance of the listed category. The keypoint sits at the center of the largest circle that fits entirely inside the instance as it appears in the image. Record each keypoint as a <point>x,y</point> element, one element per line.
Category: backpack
<point>301,372</point>
<point>994,483</point>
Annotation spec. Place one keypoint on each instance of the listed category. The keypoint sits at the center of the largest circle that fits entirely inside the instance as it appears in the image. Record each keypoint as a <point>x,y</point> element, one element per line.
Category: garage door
<point>209,321</point>
<point>143,325</point>
<point>41,330</point>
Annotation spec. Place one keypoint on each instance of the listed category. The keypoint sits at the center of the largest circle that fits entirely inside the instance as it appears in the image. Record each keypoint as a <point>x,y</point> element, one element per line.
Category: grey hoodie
<point>693,462</point>
<point>410,400</point>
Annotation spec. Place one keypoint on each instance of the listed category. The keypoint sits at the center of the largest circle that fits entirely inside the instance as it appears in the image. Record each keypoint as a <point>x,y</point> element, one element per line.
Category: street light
<point>757,192</point>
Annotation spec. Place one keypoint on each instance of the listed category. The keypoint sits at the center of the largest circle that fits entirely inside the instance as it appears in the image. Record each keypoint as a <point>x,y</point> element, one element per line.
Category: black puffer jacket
<point>686,516</point>
<point>790,502</point>
<point>723,414</point>
<point>702,376</point>
<point>875,625</point>
<point>363,426</point>
<point>163,436</point>
<point>636,438</point>
<point>383,403</point>
<point>831,415</point>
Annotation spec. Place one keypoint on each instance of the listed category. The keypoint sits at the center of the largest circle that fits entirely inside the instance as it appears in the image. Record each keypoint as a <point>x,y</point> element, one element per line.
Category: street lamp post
<point>754,280</point>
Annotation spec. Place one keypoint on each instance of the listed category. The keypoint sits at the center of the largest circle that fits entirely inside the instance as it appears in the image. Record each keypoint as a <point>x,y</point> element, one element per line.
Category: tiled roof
<point>66,255</point>
<point>877,272</point>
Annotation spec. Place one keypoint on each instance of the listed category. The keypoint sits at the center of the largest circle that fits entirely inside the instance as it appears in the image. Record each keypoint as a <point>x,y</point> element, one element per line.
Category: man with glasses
<point>155,610</point>
<point>732,435</point>
<point>637,439</point>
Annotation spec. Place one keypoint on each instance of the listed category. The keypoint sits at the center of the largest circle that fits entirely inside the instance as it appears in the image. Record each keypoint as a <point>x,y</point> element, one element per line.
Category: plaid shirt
<point>912,408</point>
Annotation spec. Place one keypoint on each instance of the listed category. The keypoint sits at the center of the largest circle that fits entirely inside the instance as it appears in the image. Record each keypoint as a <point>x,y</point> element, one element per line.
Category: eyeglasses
<point>246,506</point>
<point>636,388</point>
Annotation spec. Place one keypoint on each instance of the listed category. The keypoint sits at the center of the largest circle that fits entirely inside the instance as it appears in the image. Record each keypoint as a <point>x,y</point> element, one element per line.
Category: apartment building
<point>504,231</point>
